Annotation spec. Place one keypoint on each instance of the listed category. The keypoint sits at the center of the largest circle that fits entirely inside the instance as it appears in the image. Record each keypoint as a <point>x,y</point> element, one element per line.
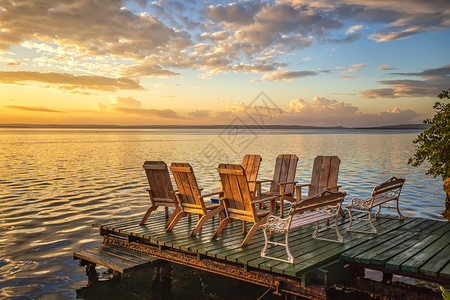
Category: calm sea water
<point>55,183</point>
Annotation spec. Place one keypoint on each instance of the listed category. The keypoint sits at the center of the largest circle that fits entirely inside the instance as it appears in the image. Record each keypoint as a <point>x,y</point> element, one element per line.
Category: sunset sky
<point>321,63</point>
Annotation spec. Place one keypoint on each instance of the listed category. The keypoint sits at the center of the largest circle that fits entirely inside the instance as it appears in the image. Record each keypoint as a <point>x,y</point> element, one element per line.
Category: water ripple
<point>55,183</point>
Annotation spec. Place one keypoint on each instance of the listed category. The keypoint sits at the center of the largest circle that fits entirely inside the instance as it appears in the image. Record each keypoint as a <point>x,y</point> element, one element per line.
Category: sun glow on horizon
<point>322,63</point>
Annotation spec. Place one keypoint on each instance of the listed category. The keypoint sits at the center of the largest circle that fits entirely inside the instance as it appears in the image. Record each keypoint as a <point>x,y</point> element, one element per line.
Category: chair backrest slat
<point>158,179</point>
<point>285,168</point>
<point>251,163</point>
<point>324,174</point>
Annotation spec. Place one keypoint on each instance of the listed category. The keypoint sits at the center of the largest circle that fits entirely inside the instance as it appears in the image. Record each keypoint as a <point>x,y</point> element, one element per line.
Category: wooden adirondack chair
<point>324,177</point>
<point>238,203</point>
<point>283,183</point>
<point>190,199</point>
<point>251,163</point>
<point>161,191</point>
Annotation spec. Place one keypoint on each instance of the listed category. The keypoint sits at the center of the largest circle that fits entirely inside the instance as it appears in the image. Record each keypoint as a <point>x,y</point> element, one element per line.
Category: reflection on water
<point>55,183</point>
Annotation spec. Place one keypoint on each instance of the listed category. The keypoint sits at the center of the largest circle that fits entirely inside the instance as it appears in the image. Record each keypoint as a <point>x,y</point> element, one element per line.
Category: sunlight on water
<point>55,183</point>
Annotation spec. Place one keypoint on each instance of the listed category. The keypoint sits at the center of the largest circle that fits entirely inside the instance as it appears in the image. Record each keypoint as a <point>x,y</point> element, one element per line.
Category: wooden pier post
<point>163,273</point>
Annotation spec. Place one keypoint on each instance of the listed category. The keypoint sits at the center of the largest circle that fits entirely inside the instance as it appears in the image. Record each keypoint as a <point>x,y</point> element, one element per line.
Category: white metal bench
<point>382,193</point>
<point>321,207</point>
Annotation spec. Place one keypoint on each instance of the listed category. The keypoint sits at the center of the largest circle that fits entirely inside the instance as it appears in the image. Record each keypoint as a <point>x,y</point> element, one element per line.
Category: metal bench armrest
<point>277,224</point>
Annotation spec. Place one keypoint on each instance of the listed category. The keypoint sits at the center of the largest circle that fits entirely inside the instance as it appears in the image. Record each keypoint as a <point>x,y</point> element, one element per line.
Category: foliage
<point>445,294</point>
<point>433,144</point>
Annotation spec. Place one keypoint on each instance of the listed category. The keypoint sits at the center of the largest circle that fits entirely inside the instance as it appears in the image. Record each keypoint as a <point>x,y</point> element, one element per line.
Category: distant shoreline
<point>90,126</point>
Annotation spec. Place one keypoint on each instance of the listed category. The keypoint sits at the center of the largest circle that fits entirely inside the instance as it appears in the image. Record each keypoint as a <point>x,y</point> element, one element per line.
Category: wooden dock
<point>413,247</point>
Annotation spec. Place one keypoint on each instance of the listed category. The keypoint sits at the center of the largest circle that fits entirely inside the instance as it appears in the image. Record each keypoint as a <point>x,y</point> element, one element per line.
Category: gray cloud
<point>234,13</point>
<point>158,42</point>
<point>330,112</point>
<point>435,80</point>
<point>320,111</point>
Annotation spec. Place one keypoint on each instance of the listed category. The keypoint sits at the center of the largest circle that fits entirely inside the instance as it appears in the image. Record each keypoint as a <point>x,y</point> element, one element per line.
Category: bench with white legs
<point>382,193</point>
<point>321,207</point>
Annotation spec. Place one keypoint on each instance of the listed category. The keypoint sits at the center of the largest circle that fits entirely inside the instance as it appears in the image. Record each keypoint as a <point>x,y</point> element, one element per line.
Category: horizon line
<point>243,126</point>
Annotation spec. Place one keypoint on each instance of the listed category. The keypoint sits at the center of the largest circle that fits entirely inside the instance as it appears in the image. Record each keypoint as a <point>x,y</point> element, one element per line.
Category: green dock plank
<point>334,252</point>
<point>109,258</point>
<point>387,231</point>
<point>395,262</point>
<point>396,239</point>
<point>445,272</point>
<point>436,263</point>
<point>126,254</point>
<point>398,243</point>
<point>300,243</point>
<point>383,257</point>
<point>442,230</point>
<point>414,263</point>
<point>317,259</point>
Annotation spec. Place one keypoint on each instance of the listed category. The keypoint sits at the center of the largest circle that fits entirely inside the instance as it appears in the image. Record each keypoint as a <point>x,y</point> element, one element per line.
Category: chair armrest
<point>332,187</point>
<point>265,199</point>
<point>288,182</point>
<point>173,192</point>
<point>212,194</point>
<point>262,181</point>
<point>302,185</point>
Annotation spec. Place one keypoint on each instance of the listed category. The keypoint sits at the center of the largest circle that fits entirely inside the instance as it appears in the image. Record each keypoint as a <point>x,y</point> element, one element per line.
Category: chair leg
<point>378,212</point>
<point>166,211</point>
<point>401,217</point>
<point>288,251</point>
<point>147,214</point>
<point>281,207</point>
<point>349,226</point>
<point>369,219</point>
<point>172,217</point>
<point>221,227</point>
<point>253,230</point>
<point>203,219</point>
<point>266,244</point>
<point>340,238</point>
<point>314,235</point>
<point>244,226</point>
<point>290,257</point>
<point>374,230</point>
<point>175,220</point>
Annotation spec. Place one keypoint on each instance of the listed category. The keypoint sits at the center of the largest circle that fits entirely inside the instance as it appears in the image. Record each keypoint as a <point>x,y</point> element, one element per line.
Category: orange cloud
<point>34,108</point>
<point>69,82</point>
